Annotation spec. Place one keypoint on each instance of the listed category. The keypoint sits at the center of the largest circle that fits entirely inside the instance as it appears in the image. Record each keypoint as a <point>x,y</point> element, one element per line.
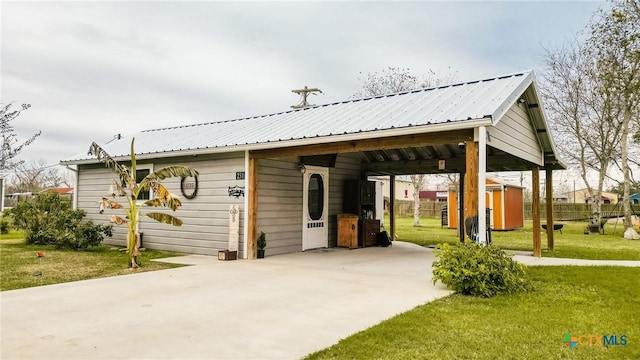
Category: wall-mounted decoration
<point>236,191</point>
<point>240,175</point>
<point>189,187</point>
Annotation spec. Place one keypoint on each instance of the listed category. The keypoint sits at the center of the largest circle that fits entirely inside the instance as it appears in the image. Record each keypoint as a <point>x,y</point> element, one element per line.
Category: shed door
<point>489,205</point>
<point>315,224</point>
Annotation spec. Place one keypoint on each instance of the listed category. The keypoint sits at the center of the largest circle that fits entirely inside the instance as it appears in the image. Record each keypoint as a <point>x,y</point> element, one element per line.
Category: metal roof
<point>455,106</point>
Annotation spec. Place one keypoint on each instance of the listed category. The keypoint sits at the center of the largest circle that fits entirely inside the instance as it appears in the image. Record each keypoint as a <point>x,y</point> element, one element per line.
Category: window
<point>316,197</point>
<point>141,172</point>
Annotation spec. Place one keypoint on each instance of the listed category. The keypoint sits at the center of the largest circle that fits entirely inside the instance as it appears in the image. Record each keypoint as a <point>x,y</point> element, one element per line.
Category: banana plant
<point>126,186</point>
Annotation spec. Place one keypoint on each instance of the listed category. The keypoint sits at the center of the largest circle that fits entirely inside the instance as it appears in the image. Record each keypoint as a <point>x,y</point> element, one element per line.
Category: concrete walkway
<point>549,261</point>
<point>281,307</point>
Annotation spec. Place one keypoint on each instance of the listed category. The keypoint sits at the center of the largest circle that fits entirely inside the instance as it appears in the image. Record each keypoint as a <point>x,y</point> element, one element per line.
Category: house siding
<point>280,204</point>
<point>516,125</point>
<point>205,218</point>
<point>280,200</point>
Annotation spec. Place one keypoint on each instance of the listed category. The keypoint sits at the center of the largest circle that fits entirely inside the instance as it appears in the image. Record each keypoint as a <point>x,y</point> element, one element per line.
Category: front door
<point>315,221</point>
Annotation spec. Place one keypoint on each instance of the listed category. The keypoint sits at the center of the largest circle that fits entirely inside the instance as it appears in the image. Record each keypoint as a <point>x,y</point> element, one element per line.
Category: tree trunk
<point>416,208</point>
<point>625,168</point>
<point>416,180</point>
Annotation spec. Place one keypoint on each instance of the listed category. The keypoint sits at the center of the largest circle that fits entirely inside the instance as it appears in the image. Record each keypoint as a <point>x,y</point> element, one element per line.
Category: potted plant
<point>262,243</point>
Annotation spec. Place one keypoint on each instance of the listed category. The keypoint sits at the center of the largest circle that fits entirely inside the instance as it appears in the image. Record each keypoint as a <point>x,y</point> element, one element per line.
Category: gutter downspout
<point>75,185</point>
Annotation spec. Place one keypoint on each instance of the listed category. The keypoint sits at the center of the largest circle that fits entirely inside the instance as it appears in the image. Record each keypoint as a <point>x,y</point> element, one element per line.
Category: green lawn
<point>12,235</point>
<point>572,243</point>
<point>576,300</point>
<point>20,266</point>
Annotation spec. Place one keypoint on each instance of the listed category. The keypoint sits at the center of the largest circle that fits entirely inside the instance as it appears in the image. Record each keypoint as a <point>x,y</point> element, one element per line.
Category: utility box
<point>348,231</point>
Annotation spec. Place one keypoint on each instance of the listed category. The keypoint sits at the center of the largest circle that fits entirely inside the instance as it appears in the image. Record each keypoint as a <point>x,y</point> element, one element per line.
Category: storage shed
<point>505,203</point>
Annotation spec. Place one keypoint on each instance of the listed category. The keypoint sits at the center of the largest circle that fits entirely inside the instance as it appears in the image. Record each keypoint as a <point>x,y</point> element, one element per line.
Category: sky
<point>92,70</point>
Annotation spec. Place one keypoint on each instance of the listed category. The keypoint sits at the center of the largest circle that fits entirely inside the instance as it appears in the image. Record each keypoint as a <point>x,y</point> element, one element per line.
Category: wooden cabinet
<point>348,231</point>
<point>368,234</point>
<point>360,198</point>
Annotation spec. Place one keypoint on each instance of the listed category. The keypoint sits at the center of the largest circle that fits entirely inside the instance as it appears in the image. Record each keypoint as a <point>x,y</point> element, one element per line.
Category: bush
<point>471,269</point>
<point>48,219</point>
<point>4,227</point>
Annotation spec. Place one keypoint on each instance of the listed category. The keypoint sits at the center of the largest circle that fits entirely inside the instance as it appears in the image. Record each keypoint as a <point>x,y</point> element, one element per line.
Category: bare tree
<point>393,80</point>
<point>583,113</point>
<point>614,47</point>
<point>11,146</point>
<point>34,177</point>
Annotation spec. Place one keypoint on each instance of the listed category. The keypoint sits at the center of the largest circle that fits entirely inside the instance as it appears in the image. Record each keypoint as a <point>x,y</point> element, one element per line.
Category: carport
<point>491,125</point>
<point>256,168</point>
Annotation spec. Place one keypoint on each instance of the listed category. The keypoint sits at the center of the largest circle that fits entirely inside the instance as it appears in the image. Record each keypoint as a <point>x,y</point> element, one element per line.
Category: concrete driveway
<point>281,307</point>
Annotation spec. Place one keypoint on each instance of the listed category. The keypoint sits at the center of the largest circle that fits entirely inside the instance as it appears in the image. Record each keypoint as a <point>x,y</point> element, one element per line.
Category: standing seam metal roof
<point>482,99</point>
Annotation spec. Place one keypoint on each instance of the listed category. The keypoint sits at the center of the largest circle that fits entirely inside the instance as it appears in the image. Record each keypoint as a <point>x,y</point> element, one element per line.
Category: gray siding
<point>348,167</point>
<point>515,135</point>
<point>206,217</point>
<point>280,204</point>
<point>280,200</point>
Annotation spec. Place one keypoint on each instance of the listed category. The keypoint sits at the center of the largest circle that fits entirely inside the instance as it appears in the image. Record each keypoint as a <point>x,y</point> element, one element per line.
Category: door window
<point>316,196</point>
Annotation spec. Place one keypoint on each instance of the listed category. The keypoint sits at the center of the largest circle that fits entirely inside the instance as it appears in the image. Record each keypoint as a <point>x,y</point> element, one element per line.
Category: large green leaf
<point>165,218</point>
<point>172,171</point>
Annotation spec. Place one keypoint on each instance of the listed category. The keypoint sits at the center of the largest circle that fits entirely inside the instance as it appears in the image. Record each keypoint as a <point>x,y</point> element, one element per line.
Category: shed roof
<point>452,107</point>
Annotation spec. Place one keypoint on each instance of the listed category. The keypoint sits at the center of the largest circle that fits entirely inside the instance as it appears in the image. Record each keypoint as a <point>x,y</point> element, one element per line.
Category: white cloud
<point>94,69</point>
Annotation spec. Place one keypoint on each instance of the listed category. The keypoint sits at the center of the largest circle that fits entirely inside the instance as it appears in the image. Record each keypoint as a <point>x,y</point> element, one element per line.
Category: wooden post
<point>461,207</point>
<point>253,208</point>
<point>392,206</point>
<point>535,210</point>
<point>470,182</point>
<point>549,192</point>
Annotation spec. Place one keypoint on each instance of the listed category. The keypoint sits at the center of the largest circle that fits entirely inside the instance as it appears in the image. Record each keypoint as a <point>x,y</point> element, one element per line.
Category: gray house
<point>286,171</point>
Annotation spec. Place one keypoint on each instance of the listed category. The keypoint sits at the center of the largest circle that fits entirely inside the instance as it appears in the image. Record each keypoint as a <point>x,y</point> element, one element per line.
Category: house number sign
<point>189,186</point>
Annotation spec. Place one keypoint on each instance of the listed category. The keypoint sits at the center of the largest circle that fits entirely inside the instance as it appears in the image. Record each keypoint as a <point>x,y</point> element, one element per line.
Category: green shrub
<point>471,269</point>
<point>48,219</point>
<point>89,234</point>
<point>4,227</point>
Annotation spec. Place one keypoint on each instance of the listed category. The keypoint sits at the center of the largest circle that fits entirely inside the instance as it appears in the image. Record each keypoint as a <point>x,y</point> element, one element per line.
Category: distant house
<point>561,199</point>
<point>435,196</point>
<point>581,196</point>
<point>403,188</point>
<point>59,190</point>
<point>635,199</point>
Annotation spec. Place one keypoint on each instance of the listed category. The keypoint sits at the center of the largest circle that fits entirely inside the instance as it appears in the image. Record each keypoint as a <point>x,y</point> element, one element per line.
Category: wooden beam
<point>253,209</point>
<point>549,192</point>
<point>535,210</point>
<point>470,182</point>
<point>435,138</point>
<point>430,166</point>
<point>461,207</point>
<point>392,207</point>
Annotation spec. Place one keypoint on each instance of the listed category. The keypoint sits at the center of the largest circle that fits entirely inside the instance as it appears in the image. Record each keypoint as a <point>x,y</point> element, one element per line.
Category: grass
<point>21,268</point>
<point>12,235</point>
<point>575,300</point>
<point>572,243</point>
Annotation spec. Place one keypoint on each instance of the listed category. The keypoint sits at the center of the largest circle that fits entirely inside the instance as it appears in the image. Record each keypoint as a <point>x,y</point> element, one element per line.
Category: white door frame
<point>315,233</point>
